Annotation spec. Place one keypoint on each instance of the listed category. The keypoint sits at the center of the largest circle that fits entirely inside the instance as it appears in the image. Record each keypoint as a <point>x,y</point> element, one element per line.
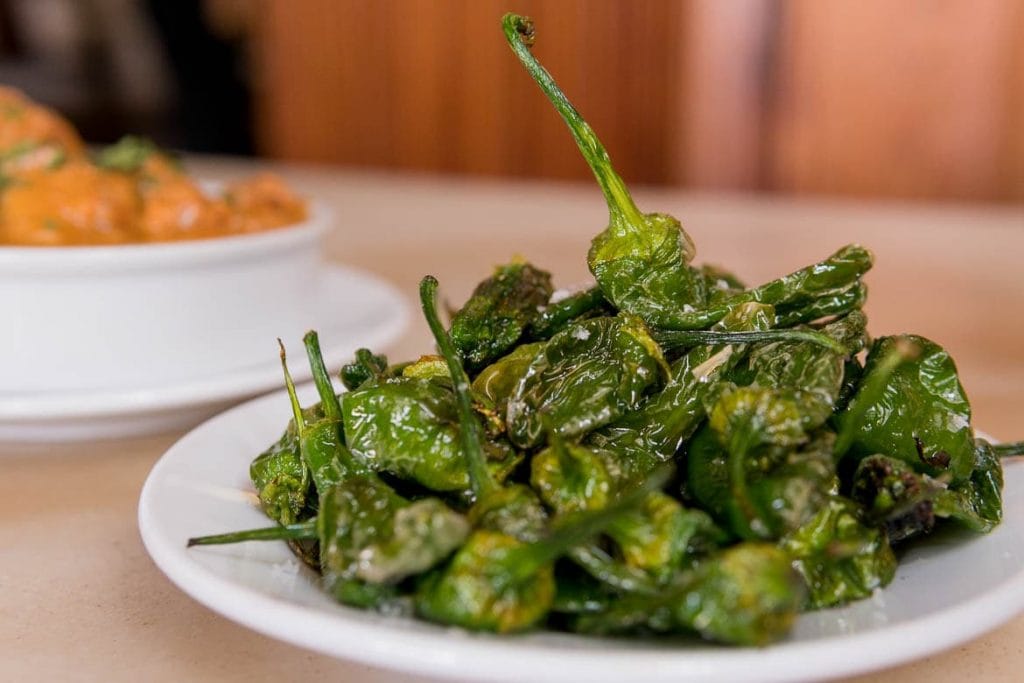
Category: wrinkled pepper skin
<point>497,382</point>
<point>496,582</point>
<point>513,510</point>
<point>907,503</point>
<point>655,431</point>
<point>479,590</point>
<point>410,427</point>
<point>841,557</point>
<point>748,594</point>
<point>767,475</point>
<point>655,538</point>
<point>775,491</point>
<point>829,287</point>
<point>371,538</point>
<point>498,312</point>
<point>282,480</point>
<point>922,415</point>
<point>586,376</point>
<point>364,367</point>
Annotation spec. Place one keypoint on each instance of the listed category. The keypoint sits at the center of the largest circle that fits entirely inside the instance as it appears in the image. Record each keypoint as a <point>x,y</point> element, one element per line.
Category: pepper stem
<point>678,339</point>
<point>1008,450</point>
<point>292,532</point>
<point>300,426</point>
<point>469,428</point>
<point>322,379</point>
<point>519,31</point>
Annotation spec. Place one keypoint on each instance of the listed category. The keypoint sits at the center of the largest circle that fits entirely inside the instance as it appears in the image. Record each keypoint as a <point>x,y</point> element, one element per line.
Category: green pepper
<point>641,261</point>
<point>370,537</point>
<point>756,467</point>
<point>840,556</point>
<point>427,367</point>
<point>497,582</point>
<point>497,382</point>
<point>747,595</point>
<point>410,427</point>
<point>282,480</point>
<point>921,414</point>
<point>653,539</point>
<point>841,302</point>
<point>908,503</point>
<point>498,312</point>
<point>655,431</point>
<point>586,376</point>
<point>512,511</point>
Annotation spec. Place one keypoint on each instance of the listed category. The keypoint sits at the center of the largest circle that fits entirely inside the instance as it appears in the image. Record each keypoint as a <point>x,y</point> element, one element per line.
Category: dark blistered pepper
<point>365,367</point>
<point>908,503</point>
<point>499,311</point>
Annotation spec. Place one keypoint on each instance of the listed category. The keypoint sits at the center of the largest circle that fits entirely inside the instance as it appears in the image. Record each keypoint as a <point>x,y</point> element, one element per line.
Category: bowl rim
<point>22,259</point>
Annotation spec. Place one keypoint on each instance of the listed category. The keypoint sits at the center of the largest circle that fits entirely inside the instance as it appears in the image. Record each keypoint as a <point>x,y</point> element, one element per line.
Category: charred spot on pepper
<point>940,459</point>
<point>918,519</point>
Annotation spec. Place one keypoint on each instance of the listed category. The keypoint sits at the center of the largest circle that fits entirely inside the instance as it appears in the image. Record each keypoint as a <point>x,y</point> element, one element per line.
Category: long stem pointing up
<point>469,428</point>
<point>519,31</point>
<point>300,425</point>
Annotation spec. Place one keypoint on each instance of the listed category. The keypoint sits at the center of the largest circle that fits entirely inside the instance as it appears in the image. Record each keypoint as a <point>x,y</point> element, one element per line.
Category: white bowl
<point>142,315</point>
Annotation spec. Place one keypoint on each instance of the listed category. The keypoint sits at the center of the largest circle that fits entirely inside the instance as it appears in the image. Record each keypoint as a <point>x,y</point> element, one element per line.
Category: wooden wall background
<point>916,99</point>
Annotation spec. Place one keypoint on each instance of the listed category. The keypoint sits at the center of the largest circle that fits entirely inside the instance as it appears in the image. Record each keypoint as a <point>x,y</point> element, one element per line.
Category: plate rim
<point>415,652</point>
<point>244,381</point>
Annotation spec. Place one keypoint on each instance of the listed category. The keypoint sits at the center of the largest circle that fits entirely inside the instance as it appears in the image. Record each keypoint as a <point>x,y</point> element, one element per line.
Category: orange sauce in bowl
<point>53,194</point>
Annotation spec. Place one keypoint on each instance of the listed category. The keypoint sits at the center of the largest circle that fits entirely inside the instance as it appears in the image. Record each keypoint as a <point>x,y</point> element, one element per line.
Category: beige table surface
<point>80,599</point>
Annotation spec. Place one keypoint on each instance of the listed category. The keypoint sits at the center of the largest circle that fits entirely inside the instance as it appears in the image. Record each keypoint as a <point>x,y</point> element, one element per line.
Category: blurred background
<point>921,99</point>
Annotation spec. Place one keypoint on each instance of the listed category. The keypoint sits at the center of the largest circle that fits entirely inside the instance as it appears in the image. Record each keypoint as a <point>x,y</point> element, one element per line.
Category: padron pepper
<point>499,311</point>
<point>641,261</point>
<point>370,537</point>
<point>586,376</point>
<point>921,414</point>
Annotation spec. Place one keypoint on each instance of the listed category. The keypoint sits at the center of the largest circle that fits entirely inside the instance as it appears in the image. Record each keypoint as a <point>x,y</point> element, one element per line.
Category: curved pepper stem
<point>519,31</point>
<point>300,425</point>
<point>469,428</point>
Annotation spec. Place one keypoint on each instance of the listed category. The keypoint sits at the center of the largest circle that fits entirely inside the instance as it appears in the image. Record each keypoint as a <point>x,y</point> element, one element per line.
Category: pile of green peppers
<point>669,451</point>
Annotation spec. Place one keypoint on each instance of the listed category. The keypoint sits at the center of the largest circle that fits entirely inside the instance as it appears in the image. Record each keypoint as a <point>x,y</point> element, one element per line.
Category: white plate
<point>353,309</point>
<point>947,590</point>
